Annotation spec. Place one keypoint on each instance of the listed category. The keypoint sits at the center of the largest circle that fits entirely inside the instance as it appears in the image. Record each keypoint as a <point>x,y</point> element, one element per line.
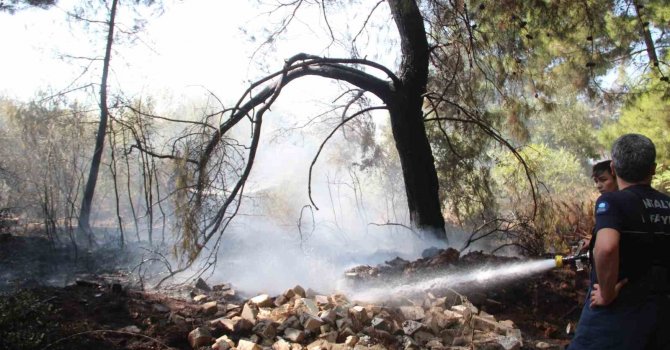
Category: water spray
<point>478,277</point>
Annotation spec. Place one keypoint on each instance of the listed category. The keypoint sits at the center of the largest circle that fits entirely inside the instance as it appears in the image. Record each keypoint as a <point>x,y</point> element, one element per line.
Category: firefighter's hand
<point>597,298</point>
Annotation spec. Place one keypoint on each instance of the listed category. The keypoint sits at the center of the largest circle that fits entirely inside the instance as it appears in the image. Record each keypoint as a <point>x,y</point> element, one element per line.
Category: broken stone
<point>247,345</point>
<point>281,344</point>
<point>370,347</point>
<point>210,308</point>
<point>448,335</point>
<point>359,313</point>
<point>319,344</point>
<point>290,322</point>
<point>201,284</point>
<point>280,314</point>
<point>200,298</point>
<point>514,332</point>
<point>236,324</point>
<point>199,337</point>
<point>221,346</point>
<point>321,300</point>
<point>311,323</point>
<point>265,329</point>
<point>325,328</point>
<point>220,311</point>
<point>289,293</point>
<point>486,325</point>
<point>546,346</point>
<point>228,293</point>
<point>364,340</point>
<point>221,287</point>
<point>294,335</point>
<point>160,308</point>
<point>463,308</point>
<point>344,334</point>
<point>264,313</point>
<point>262,300</point>
<point>422,337</point>
<point>383,336</point>
<point>459,341</point>
<point>344,323</point>
<point>413,313</point>
<point>281,300</point>
<point>216,323</point>
<point>339,299</point>
<point>177,319</point>
<point>331,337</point>
<point>373,309</point>
<point>453,315</point>
<point>249,313</point>
<point>231,307</point>
<point>298,290</point>
<point>409,343</point>
<point>409,327</point>
<point>452,298</point>
<point>435,344</point>
<point>439,302</point>
<point>306,305</point>
<point>486,315</point>
<point>328,316</point>
<point>495,342</point>
<point>380,324</point>
<point>351,341</point>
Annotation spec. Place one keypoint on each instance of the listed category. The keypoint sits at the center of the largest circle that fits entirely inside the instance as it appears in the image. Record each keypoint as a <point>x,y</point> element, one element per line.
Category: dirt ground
<point>105,311</point>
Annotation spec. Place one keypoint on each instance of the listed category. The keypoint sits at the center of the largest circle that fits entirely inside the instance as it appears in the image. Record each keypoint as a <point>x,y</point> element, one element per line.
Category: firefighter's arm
<point>606,257</point>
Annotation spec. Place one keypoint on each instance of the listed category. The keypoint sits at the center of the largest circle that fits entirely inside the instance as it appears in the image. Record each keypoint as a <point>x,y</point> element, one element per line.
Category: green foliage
<point>41,146</point>
<point>24,321</point>
<point>558,217</point>
<point>557,170</point>
<point>12,6</point>
<point>647,113</point>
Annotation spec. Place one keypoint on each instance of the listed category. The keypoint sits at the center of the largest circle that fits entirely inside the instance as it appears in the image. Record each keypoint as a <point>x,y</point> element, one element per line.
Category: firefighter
<point>626,306</point>
<point>603,177</point>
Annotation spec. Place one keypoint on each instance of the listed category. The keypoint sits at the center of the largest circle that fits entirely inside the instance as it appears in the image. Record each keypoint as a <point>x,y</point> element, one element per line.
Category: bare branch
<point>344,121</point>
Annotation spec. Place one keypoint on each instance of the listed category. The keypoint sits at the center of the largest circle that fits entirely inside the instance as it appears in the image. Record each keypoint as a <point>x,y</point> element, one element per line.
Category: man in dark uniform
<point>626,307</point>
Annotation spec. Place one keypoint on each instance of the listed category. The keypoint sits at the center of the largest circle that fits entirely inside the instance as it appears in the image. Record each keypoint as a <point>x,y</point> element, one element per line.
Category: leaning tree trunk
<point>405,106</point>
<point>402,96</point>
<point>89,190</point>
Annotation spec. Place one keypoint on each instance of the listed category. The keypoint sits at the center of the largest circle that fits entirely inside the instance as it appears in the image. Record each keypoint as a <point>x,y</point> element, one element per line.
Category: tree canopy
<point>496,111</point>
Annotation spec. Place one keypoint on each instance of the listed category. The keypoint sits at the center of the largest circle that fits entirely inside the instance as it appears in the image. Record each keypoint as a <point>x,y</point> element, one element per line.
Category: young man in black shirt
<point>626,307</point>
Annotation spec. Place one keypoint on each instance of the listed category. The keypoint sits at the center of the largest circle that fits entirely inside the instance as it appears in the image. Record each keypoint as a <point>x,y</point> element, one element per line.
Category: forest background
<point>529,95</point>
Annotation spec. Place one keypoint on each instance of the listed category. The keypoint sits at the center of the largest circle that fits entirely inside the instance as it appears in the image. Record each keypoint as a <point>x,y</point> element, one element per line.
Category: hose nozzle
<point>578,260</point>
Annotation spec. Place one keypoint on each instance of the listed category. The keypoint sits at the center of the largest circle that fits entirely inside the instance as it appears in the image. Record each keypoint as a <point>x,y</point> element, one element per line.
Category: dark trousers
<point>661,335</point>
<point>627,324</point>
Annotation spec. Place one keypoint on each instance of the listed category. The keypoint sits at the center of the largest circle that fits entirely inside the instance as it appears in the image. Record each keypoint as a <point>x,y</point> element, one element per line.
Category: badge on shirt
<point>602,207</point>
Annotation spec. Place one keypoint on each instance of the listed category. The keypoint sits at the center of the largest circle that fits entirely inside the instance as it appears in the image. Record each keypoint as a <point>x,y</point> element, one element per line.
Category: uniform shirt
<point>642,216</point>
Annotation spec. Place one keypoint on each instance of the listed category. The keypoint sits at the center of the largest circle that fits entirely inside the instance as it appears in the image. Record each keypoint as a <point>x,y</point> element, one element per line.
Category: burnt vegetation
<point>492,113</point>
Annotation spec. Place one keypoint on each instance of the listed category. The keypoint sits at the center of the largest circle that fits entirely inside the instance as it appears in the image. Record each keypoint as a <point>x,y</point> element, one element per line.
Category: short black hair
<point>633,157</point>
<point>601,167</point>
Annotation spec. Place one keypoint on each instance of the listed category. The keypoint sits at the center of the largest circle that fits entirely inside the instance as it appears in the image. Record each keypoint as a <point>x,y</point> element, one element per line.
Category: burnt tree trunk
<point>89,190</point>
<point>402,95</point>
<point>409,133</point>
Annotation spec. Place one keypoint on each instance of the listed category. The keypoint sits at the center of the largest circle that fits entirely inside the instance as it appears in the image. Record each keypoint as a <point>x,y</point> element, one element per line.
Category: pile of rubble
<point>299,319</point>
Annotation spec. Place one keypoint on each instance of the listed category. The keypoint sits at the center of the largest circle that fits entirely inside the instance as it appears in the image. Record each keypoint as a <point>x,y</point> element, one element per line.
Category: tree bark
<point>416,156</point>
<point>89,190</point>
